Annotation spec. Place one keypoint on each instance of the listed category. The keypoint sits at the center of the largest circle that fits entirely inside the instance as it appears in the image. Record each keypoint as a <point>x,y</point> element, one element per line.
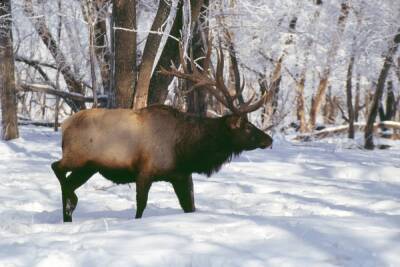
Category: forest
<point>320,77</point>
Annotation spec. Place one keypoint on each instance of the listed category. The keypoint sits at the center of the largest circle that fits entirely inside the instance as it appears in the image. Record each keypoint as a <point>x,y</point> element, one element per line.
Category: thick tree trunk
<point>317,101</point>
<point>367,102</point>
<point>149,55</point>
<point>196,99</point>
<point>158,87</point>
<point>321,90</point>
<point>124,30</point>
<point>368,134</point>
<point>7,80</point>
<point>349,97</point>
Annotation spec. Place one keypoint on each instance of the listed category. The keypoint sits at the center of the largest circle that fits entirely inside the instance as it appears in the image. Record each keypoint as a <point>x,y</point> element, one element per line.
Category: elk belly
<point>119,176</point>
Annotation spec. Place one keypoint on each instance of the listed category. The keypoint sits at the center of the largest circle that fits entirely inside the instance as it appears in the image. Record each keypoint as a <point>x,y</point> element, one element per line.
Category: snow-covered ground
<point>299,204</point>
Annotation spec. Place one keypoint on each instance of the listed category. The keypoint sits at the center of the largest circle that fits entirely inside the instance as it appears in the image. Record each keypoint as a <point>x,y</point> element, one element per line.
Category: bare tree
<point>357,100</point>
<point>74,84</point>
<point>149,54</point>
<point>319,96</point>
<point>7,79</point>
<point>388,61</point>
<point>300,83</point>
<point>95,15</point>
<point>158,87</point>
<point>89,10</point>
<point>124,31</point>
<point>101,42</point>
<point>349,97</point>
<point>197,99</point>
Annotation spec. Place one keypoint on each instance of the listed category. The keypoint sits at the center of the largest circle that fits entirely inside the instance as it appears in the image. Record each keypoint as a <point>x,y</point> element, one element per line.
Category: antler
<point>215,84</point>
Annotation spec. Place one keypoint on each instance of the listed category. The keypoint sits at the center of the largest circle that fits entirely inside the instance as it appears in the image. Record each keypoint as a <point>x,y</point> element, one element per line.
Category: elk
<point>156,143</point>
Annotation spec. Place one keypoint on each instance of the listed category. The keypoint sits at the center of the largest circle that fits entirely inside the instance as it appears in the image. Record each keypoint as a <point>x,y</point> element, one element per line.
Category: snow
<point>298,204</point>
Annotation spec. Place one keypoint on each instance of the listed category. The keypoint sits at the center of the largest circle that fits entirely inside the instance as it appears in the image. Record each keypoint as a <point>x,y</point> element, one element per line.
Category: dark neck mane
<point>204,146</point>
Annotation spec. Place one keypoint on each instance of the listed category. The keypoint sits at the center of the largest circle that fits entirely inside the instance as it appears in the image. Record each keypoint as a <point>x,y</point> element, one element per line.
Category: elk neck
<point>205,145</point>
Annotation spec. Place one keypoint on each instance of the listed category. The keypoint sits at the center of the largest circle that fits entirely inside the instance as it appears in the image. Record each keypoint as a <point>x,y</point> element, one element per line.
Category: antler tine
<point>186,76</point>
<point>248,102</point>
<point>218,96</point>
<point>247,108</point>
<point>220,83</point>
<point>237,94</point>
<point>202,79</point>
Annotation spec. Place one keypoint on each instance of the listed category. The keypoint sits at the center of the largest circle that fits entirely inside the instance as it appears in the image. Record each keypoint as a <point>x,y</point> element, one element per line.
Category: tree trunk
<point>390,102</point>
<point>92,56</point>
<point>317,100</point>
<point>368,134</point>
<point>89,10</point>
<point>149,55</point>
<point>234,80</point>
<point>301,113</point>
<point>330,107</point>
<point>57,85</point>
<point>349,97</point>
<point>101,50</point>
<point>196,99</point>
<point>158,88</point>
<point>357,100</point>
<point>315,107</point>
<point>124,30</point>
<point>7,80</point>
<point>300,108</point>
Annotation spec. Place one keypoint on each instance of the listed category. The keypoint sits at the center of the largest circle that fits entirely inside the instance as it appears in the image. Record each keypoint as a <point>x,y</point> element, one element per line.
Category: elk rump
<point>157,143</point>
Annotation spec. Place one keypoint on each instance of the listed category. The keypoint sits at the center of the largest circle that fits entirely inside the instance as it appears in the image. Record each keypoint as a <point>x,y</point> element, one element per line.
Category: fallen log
<point>328,132</point>
<point>39,123</point>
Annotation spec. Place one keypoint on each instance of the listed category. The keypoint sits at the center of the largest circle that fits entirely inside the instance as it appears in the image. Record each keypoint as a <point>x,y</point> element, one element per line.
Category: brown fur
<point>152,144</point>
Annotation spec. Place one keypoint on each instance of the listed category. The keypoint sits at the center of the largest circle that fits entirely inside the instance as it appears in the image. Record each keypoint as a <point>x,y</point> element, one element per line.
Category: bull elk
<point>157,143</point>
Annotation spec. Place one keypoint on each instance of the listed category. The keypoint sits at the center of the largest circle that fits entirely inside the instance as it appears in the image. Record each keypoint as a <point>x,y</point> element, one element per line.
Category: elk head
<point>246,136</point>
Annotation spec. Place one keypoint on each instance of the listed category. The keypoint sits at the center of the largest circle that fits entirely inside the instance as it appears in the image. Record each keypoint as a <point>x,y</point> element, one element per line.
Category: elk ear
<point>234,122</point>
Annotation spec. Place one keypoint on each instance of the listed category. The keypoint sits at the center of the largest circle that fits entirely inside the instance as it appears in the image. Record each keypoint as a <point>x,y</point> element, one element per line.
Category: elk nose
<point>266,144</point>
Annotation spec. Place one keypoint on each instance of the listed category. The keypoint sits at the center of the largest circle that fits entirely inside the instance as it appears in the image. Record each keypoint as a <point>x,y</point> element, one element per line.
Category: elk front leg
<point>142,192</point>
<point>184,191</point>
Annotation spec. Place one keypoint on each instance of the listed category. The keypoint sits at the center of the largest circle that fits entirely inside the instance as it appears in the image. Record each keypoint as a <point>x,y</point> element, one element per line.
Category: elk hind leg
<point>68,186</point>
<point>61,172</point>
<point>76,179</point>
